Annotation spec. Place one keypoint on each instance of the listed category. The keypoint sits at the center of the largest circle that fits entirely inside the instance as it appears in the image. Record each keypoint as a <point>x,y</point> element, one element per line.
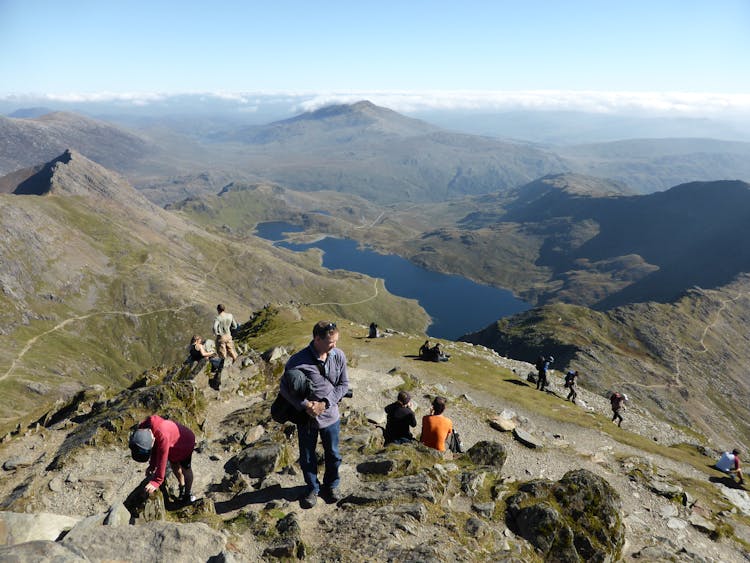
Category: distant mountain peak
<point>71,173</point>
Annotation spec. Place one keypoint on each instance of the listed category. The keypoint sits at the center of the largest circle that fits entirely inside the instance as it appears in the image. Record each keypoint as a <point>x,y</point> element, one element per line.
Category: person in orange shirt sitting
<point>435,426</point>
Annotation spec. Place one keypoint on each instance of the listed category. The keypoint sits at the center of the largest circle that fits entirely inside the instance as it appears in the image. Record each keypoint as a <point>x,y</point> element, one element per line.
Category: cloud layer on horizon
<point>683,104</point>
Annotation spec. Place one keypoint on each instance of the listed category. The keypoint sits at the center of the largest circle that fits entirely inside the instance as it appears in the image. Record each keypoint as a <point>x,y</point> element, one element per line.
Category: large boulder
<point>155,541</point>
<point>575,519</point>
<point>257,460</point>
<point>19,528</point>
<point>488,453</point>
<point>41,551</point>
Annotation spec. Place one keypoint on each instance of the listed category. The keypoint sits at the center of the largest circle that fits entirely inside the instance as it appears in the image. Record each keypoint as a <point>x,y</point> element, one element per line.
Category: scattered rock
<point>676,524</point>
<point>253,435</point>
<point>484,509</point>
<point>393,490</point>
<point>526,438</point>
<point>377,465</point>
<point>258,460</point>
<point>705,526</point>
<point>502,424</point>
<point>666,490</point>
<point>56,485</point>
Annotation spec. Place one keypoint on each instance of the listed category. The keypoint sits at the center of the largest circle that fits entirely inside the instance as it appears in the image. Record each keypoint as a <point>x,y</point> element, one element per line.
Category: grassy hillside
<point>684,360</point>
<point>108,284</point>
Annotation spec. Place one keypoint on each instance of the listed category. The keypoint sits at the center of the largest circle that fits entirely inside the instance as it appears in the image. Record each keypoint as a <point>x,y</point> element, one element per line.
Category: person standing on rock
<point>399,418</point>
<point>617,400</point>
<point>325,366</point>
<point>157,441</point>
<point>729,463</point>
<point>224,324</point>
<point>436,426</point>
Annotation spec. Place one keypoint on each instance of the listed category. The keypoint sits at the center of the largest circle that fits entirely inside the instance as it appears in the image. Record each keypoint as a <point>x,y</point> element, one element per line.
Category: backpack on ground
<point>454,443</point>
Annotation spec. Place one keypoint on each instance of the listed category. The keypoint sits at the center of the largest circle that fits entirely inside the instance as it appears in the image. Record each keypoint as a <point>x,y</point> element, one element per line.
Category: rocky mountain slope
<point>375,153</point>
<point>108,284</point>
<point>28,142</point>
<point>684,360</point>
<point>651,165</point>
<point>587,490</point>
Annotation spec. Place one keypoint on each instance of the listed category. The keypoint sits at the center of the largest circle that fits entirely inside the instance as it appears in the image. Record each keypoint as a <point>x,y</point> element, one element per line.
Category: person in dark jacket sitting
<point>400,417</point>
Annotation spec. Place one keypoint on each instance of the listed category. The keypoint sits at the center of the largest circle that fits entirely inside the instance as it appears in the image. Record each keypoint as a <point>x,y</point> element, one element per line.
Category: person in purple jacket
<point>325,367</point>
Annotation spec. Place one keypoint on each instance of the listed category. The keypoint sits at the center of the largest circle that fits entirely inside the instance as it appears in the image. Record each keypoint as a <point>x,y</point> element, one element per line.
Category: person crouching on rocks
<point>436,426</point>
<point>729,463</point>
<point>157,441</point>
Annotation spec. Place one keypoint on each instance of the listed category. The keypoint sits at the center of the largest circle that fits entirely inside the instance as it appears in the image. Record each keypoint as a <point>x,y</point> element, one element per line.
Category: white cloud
<point>684,104</point>
<point>657,103</point>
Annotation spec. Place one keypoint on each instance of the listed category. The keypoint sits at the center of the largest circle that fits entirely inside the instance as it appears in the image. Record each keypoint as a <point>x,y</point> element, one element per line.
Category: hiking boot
<point>331,496</point>
<point>309,500</point>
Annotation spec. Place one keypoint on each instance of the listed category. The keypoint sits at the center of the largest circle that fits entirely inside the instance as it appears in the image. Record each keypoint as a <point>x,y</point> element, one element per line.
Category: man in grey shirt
<point>224,324</point>
<point>325,366</point>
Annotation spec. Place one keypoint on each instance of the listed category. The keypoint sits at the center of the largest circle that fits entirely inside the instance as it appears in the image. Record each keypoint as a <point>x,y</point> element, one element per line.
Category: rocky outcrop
<point>575,519</point>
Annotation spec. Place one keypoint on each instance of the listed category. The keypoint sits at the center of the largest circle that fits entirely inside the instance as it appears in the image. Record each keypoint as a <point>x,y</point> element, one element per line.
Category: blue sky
<point>443,50</point>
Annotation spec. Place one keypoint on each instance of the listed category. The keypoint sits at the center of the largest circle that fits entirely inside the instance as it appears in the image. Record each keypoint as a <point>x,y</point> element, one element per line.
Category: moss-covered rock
<point>575,519</point>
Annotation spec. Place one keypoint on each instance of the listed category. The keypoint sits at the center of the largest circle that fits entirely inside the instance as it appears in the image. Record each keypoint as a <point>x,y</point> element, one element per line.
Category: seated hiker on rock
<point>729,463</point>
<point>157,441</point>
<point>436,426</point>
<point>198,350</point>
<point>438,354</point>
<point>374,332</point>
<point>399,417</point>
<point>424,350</point>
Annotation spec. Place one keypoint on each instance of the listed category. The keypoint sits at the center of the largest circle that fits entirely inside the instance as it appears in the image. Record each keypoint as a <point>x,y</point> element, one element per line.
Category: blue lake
<point>456,305</point>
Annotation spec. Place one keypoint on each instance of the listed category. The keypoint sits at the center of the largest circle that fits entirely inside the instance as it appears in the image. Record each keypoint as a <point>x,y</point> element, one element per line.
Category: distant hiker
<point>424,350</point>
<point>224,324</point>
<point>617,400</point>
<point>374,333</point>
<point>197,349</point>
<point>729,463</point>
<point>157,441</point>
<point>542,365</point>
<point>436,426</point>
<point>571,378</point>
<point>325,366</point>
<point>399,418</point>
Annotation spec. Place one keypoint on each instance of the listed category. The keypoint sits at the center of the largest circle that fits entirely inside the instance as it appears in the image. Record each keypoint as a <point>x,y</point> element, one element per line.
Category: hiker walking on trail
<point>571,380</point>
<point>325,366</point>
<point>617,400</point>
<point>436,426</point>
<point>224,324</point>
<point>157,441</point>
<point>542,365</point>
<point>729,463</point>
<point>399,418</point>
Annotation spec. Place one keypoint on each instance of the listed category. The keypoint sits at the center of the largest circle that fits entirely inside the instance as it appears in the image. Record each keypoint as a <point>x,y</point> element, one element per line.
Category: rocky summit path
<point>659,520</point>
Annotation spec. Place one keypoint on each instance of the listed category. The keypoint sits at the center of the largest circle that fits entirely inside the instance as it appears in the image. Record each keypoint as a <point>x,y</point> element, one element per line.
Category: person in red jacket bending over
<point>157,441</point>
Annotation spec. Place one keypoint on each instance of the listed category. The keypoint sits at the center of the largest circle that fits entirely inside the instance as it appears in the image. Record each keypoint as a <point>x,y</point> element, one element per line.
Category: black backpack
<point>282,411</point>
<point>454,443</point>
